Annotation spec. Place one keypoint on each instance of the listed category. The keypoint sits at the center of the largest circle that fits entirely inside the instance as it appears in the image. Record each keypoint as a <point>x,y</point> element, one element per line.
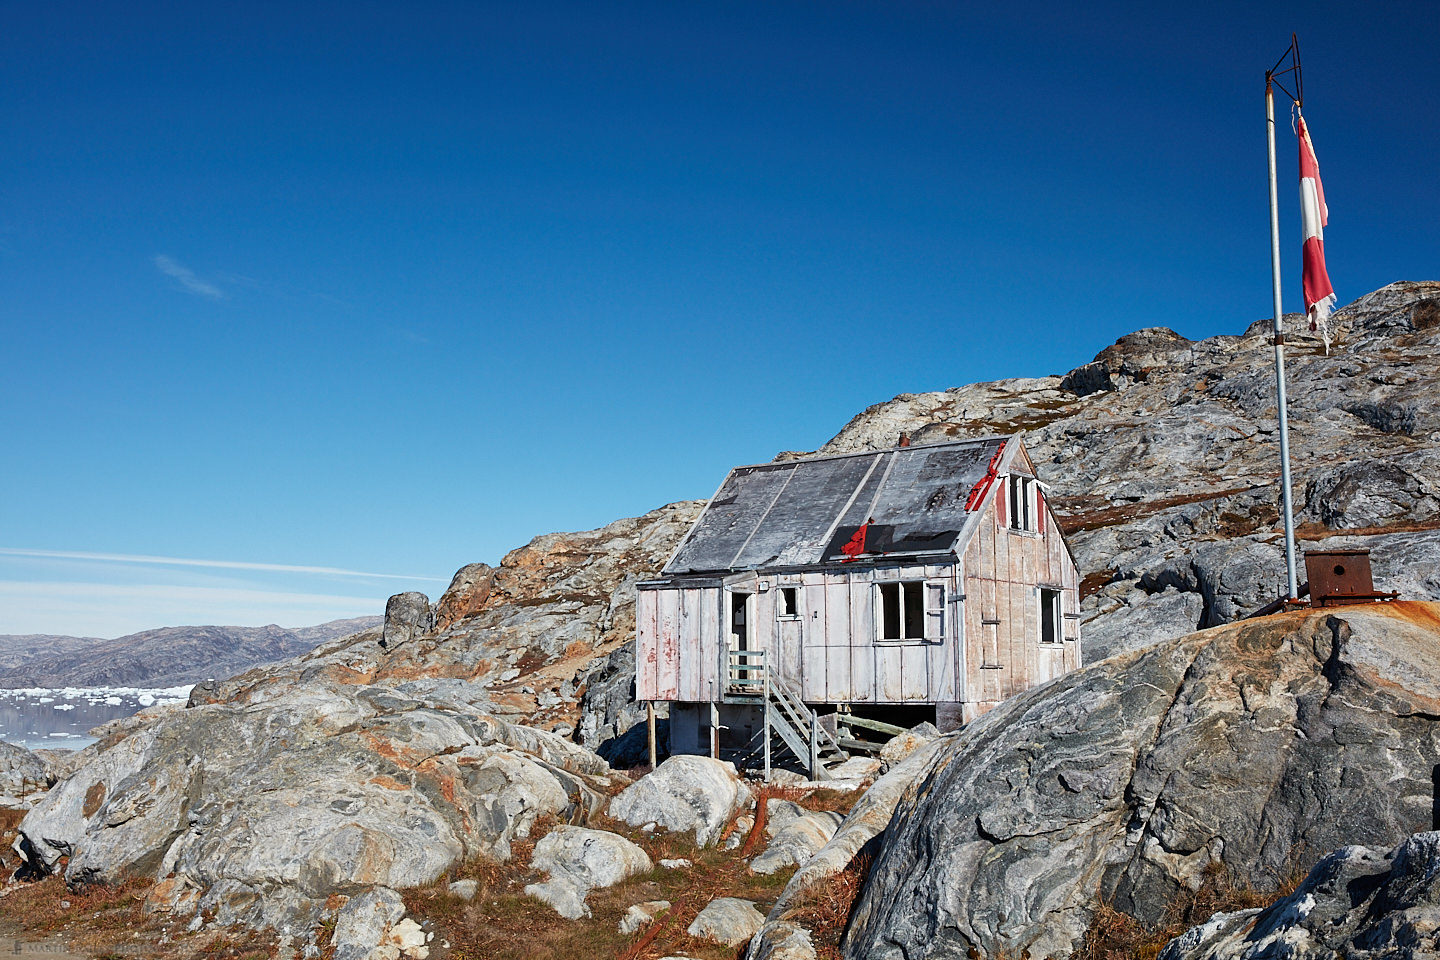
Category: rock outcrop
<point>261,808</point>
<point>1358,902</point>
<point>1248,747</point>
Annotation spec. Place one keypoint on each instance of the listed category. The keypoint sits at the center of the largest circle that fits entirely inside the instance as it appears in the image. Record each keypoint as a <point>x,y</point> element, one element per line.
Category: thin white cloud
<point>186,277</point>
<point>108,609</point>
<point>221,564</point>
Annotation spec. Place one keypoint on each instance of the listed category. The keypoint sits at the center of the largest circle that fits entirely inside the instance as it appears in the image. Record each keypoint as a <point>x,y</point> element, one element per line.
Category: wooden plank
<point>647,650</point>
<point>889,672</point>
<point>711,648</point>
<point>861,652</point>
<point>915,671</point>
<point>813,649</point>
<point>837,637</point>
<point>687,622</point>
<point>667,623</point>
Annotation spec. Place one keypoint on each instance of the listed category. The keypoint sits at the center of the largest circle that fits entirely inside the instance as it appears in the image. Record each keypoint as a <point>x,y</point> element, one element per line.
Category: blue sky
<point>387,288</point>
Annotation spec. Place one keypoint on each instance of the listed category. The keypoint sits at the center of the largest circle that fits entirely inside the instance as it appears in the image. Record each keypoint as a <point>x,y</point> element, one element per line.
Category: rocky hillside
<point>1162,457</point>
<point>166,657</point>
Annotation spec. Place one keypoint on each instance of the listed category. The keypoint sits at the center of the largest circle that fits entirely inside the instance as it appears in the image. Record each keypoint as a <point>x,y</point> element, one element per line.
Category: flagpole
<point>1279,342</point>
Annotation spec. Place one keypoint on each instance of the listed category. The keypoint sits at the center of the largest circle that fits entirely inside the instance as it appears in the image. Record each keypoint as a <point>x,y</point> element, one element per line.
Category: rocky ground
<point>307,797</point>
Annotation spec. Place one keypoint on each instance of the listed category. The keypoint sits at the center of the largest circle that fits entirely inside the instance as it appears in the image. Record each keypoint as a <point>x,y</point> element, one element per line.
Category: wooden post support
<point>650,729</point>
<point>714,730</point>
<point>765,711</point>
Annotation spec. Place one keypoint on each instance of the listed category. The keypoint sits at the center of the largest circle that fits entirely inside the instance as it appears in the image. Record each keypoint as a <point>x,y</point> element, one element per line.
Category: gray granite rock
<point>1245,746</point>
<point>728,920</point>
<point>407,616</point>
<point>364,921</point>
<point>781,940</point>
<point>642,914</point>
<point>579,860</point>
<point>685,793</point>
<point>795,834</point>
<point>24,776</point>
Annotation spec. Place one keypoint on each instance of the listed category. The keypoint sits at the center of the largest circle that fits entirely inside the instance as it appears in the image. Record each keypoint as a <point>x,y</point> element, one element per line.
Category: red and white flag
<point>1319,295</point>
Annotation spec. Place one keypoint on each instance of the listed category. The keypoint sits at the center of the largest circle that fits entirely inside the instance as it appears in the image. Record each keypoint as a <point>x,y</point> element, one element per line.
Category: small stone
<point>465,889</point>
<point>728,920</point>
<point>642,914</point>
<point>674,864</point>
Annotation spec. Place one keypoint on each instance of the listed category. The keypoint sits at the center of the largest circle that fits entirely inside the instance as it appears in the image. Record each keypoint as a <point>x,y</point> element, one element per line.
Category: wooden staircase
<point>798,727</point>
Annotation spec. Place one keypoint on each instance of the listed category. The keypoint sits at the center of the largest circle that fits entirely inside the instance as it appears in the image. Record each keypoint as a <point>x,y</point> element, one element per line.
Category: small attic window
<point>789,605</point>
<point>1022,502</point>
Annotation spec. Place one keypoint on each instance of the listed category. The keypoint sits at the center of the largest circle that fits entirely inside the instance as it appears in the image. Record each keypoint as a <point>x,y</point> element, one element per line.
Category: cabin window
<point>1022,506</point>
<point>789,605</point>
<point>1050,619</point>
<point>902,610</point>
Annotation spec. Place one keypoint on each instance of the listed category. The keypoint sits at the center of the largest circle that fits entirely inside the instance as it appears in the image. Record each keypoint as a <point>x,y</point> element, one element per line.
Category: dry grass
<point>1115,935</point>
<point>502,922</point>
<point>109,921</point>
<point>825,908</point>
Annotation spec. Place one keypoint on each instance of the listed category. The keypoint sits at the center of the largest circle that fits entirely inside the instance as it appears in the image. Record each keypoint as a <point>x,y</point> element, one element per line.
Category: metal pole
<point>1280,346</point>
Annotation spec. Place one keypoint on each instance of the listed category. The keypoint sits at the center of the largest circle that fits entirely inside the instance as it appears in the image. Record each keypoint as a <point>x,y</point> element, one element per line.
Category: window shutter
<point>935,612</point>
<point>1040,511</point>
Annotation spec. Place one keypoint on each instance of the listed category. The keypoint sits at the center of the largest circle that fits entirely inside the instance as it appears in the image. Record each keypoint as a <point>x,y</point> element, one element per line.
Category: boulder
<point>685,793</point>
<point>1135,776</point>
<point>899,747</point>
<point>781,940</point>
<point>23,776</point>
<point>642,914</point>
<point>728,920</point>
<point>270,807</point>
<point>579,860</point>
<point>407,616</point>
<point>795,835</point>
<point>1356,902</point>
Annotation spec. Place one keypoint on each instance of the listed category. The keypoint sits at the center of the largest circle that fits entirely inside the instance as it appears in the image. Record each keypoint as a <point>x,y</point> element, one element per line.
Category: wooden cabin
<point>925,582</point>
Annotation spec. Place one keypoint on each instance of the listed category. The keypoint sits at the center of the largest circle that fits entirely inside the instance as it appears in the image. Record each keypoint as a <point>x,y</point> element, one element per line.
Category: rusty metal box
<point>1337,576</point>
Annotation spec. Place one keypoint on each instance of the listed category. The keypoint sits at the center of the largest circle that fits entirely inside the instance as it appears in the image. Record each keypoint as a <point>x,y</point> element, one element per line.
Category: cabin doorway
<point>741,636</point>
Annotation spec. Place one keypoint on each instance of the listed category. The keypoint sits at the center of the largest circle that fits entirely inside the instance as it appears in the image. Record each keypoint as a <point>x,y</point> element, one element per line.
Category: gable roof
<point>801,512</point>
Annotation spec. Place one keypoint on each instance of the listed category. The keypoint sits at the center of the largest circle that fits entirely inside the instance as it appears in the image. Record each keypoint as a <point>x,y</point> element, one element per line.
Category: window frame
<point>1057,606</point>
<point>928,590</point>
<point>791,590</point>
<point>1022,504</point>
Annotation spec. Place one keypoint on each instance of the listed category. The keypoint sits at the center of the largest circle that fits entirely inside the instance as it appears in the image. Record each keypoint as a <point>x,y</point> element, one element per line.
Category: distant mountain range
<point>164,657</point>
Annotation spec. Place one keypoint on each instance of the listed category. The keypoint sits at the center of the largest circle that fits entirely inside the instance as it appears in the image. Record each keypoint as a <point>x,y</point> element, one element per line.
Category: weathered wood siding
<point>1004,571</point>
<point>674,627</point>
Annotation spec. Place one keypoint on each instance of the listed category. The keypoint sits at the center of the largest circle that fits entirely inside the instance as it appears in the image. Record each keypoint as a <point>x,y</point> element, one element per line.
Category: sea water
<point>36,717</point>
